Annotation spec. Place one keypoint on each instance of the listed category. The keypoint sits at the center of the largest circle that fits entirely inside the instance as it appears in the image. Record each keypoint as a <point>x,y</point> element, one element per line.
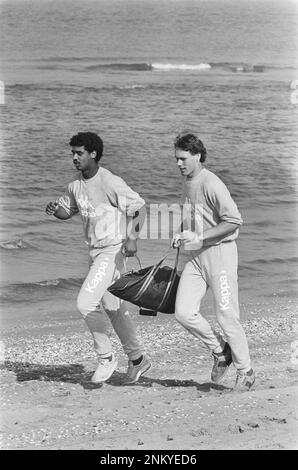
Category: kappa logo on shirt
<point>86,207</point>
<point>224,291</point>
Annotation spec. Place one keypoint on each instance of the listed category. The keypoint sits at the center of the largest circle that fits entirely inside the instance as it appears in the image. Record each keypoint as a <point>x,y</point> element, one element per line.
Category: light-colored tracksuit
<point>215,266</point>
<point>104,202</point>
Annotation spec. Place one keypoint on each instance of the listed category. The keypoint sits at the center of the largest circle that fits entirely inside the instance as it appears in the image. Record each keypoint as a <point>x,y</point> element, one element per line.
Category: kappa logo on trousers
<point>100,273</point>
<point>224,291</point>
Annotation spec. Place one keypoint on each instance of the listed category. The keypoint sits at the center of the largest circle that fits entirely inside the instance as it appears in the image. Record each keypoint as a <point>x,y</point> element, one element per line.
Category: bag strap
<point>154,270</point>
<point>135,256</point>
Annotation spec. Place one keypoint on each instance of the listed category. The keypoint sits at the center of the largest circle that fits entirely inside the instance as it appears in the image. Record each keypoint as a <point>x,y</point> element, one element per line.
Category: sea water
<point>138,72</point>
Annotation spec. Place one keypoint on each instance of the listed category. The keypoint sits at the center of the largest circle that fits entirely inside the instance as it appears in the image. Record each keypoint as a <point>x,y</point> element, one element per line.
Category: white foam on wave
<point>54,282</point>
<point>15,244</point>
<point>159,66</point>
<point>130,87</point>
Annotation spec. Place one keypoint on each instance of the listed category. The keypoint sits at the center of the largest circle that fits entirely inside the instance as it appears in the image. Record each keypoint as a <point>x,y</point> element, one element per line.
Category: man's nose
<point>179,162</point>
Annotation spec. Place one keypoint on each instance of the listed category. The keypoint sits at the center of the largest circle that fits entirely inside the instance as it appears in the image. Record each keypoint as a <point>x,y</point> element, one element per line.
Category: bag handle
<point>154,271</point>
<point>134,256</point>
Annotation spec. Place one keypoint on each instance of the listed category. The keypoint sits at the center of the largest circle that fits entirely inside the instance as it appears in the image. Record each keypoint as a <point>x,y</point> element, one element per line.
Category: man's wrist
<point>132,238</point>
<point>198,237</point>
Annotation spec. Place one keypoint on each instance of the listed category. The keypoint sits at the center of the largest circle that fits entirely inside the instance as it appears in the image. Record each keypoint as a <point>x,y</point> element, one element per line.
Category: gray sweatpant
<point>214,267</point>
<point>105,268</point>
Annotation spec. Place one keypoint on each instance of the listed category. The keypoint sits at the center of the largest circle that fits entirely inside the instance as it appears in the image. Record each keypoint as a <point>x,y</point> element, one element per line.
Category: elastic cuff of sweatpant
<point>135,355</point>
<point>244,370</point>
<point>104,355</point>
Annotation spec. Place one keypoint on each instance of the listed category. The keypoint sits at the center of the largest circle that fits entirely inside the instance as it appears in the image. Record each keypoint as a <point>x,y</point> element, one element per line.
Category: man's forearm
<point>220,230</point>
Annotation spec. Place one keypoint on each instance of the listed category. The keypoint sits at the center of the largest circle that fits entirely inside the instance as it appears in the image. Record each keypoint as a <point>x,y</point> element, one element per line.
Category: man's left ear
<point>93,154</point>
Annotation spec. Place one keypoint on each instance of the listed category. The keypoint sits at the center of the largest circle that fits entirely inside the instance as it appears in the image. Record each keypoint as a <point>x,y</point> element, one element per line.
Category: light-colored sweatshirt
<point>104,202</point>
<point>209,202</point>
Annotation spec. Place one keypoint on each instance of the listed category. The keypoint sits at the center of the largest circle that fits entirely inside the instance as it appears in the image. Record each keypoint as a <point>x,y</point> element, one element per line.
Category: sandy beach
<point>48,401</point>
<point>138,73</point>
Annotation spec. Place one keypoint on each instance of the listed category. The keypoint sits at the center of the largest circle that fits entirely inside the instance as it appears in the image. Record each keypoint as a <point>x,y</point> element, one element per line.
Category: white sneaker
<point>134,372</point>
<point>244,380</point>
<point>104,369</point>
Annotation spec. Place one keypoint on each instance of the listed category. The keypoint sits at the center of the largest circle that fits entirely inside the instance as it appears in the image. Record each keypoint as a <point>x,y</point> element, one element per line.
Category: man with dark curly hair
<point>209,233</point>
<point>111,213</point>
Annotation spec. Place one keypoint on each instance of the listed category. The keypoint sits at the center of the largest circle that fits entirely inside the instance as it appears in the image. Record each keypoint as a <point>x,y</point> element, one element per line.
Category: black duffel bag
<point>153,288</point>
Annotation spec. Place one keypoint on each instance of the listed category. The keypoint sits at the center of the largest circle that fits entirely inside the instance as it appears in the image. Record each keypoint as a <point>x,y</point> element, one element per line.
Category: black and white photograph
<point>149,227</point>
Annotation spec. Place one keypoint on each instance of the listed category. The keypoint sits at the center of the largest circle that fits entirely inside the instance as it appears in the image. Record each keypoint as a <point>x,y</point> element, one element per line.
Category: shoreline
<point>48,401</point>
